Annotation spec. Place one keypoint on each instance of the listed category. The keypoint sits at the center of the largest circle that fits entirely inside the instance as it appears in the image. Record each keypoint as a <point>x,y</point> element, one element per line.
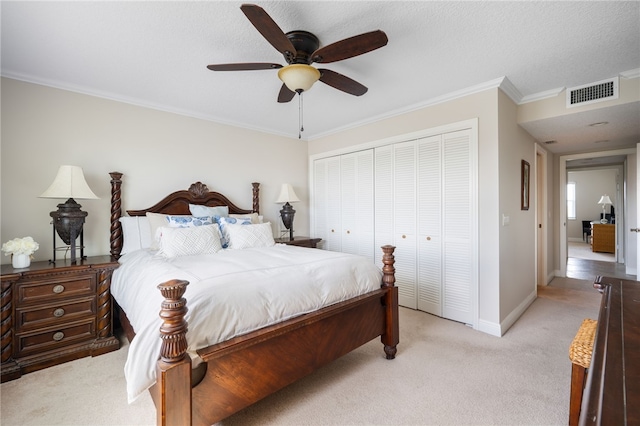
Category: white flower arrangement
<point>24,245</point>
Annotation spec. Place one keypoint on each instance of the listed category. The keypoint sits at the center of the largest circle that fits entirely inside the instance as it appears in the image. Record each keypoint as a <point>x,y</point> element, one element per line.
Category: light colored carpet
<point>582,250</point>
<point>445,373</point>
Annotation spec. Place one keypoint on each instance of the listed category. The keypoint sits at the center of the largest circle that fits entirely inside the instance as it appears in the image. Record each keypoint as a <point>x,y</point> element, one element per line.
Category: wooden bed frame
<point>238,372</point>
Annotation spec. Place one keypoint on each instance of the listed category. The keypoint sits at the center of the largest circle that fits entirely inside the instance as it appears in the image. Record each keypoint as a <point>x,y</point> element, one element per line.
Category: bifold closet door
<point>459,253</point>
<point>343,203</point>
<point>326,202</point>
<point>395,218</point>
<point>357,210</point>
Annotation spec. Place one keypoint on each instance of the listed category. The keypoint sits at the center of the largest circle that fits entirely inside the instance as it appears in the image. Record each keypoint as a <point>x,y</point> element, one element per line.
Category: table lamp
<point>68,220</point>
<point>287,195</point>
<point>604,200</point>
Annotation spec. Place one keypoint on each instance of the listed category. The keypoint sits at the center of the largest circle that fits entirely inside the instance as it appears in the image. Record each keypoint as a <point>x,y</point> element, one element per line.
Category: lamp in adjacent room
<point>68,220</point>
<point>604,200</point>
<point>287,195</point>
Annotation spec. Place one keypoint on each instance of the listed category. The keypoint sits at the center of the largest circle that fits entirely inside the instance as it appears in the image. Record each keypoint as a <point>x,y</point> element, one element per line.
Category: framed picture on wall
<point>524,187</point>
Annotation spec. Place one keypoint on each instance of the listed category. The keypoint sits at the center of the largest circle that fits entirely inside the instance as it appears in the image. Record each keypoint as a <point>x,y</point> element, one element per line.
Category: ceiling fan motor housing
<point>305,43</point>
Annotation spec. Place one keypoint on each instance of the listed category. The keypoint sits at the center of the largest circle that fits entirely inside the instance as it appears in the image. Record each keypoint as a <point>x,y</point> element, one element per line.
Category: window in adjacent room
<point>571,201</point>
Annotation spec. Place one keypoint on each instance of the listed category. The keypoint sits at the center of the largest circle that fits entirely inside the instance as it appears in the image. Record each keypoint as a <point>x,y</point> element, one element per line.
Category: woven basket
<point>582,345</point>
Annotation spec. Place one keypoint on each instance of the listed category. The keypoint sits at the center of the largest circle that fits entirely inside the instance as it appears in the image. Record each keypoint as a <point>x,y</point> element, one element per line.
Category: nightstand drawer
<point>52,314</point>
<point>52,338</point>
<point>57,288</point>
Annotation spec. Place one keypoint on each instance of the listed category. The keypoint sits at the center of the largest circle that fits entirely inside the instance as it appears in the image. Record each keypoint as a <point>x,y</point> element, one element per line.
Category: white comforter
<point>230,293</point>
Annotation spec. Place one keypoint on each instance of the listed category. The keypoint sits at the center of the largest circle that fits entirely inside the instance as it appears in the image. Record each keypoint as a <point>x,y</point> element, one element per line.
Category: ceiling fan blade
<point>249,66</point>
<point>269,29</point>
<point>350,47</point>
<point>285,94</point>
<point>341,82</point>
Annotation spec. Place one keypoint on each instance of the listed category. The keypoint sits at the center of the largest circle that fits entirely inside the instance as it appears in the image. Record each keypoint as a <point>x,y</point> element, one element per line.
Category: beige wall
<point>517,259</point>
<point>500,149</point>
<point>158,152</point>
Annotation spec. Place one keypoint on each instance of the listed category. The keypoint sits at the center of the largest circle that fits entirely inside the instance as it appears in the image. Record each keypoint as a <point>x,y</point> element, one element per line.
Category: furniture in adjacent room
<point>267,358</point>
<point>299,241</point>
<point>612,390</point>
<point>603,237</point>
<point>580,353</point>
<point>586,230</point>
<point>55,312</point>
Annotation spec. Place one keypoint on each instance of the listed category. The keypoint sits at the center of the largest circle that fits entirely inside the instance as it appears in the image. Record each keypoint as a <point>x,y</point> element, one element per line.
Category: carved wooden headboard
<point>175,203</point>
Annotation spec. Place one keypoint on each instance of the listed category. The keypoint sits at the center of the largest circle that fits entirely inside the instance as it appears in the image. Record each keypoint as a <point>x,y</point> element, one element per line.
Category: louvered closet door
<point>404,221</point>
<point>333,206</point>
<point>326,202</point>
<point>457,201</point>
<point>430,214</point>
<point>383,199</point>
<point>320,197</point>
<point>357,187</point>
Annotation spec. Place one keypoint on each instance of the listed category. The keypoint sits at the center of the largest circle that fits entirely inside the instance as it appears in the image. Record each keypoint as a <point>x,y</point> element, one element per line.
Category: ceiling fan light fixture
<point>298,77</point>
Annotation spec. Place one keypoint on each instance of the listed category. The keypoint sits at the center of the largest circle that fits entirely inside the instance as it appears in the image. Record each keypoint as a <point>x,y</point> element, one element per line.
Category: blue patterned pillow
<point>188,221</point>
<point>224,221</point>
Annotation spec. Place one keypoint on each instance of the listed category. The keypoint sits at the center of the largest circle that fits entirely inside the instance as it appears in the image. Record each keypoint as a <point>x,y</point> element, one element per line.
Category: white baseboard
<point>499,329</point>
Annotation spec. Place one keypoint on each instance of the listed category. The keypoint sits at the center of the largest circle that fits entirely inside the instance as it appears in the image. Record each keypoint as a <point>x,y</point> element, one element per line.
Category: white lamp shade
<point>287,195</point>
<point>298,76</point>
<point>604,200</point>
<point>69,183</point>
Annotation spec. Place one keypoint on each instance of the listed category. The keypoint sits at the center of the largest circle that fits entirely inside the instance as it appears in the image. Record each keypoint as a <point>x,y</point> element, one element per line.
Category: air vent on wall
<point>599,91</point>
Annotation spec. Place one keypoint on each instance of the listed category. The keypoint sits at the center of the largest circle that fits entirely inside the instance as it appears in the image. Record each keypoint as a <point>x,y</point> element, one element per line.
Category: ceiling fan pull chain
<point>300,115</point>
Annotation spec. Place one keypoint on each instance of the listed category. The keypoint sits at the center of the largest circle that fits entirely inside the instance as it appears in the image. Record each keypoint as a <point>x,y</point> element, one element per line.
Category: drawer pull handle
<point>58,336</point>
<point>58,312</point>
<point>58,289</point>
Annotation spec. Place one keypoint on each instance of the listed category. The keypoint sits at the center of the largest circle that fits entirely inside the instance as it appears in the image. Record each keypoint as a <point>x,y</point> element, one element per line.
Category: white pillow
<point>189,241</point>
<point>136,233</point>
<point>247,236</point>
<point>157,220</point>
<point>219,211</point>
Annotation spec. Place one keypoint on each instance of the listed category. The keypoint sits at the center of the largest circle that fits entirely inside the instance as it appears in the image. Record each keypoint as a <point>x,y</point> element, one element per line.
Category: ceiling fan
<point>300,49</point>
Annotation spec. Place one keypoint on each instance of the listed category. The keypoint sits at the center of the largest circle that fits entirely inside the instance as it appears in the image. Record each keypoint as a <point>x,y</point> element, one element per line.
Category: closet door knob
<point>348,232</point>
<point>428,238</point>
<point>404,236</point>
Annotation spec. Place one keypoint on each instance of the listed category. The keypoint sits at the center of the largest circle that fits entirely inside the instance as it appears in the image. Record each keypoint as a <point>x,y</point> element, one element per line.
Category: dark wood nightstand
<point>55,312</point>
<point>299,241</point>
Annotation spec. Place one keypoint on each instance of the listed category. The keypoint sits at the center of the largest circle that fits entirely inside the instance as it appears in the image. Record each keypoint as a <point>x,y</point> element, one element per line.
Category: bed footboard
<point>245,369</point>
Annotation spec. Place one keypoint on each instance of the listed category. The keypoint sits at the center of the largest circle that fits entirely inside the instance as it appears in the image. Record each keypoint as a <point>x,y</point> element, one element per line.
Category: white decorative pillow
<point>252,216</point>
<point>135,233</point>
<point>189,241</point>
<point>247,236</point>
<point>223,222</point>
<point>200,211</point>
<point>156,220</point>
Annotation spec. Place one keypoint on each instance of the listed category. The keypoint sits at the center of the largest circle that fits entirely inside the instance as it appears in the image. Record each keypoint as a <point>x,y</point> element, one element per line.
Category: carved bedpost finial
<point>388,271</point>
<point>116,213</point>
<point>198,189</point>
<point>256,197</point>
<point>173,331</point>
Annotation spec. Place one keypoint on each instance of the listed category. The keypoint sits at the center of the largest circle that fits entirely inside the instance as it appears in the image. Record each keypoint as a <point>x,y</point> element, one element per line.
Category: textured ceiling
<point>155,54</point>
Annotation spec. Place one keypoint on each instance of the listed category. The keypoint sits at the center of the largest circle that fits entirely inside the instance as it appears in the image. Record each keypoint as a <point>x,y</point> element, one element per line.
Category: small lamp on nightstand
<point>287,195</point>
<point>68,220</point>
